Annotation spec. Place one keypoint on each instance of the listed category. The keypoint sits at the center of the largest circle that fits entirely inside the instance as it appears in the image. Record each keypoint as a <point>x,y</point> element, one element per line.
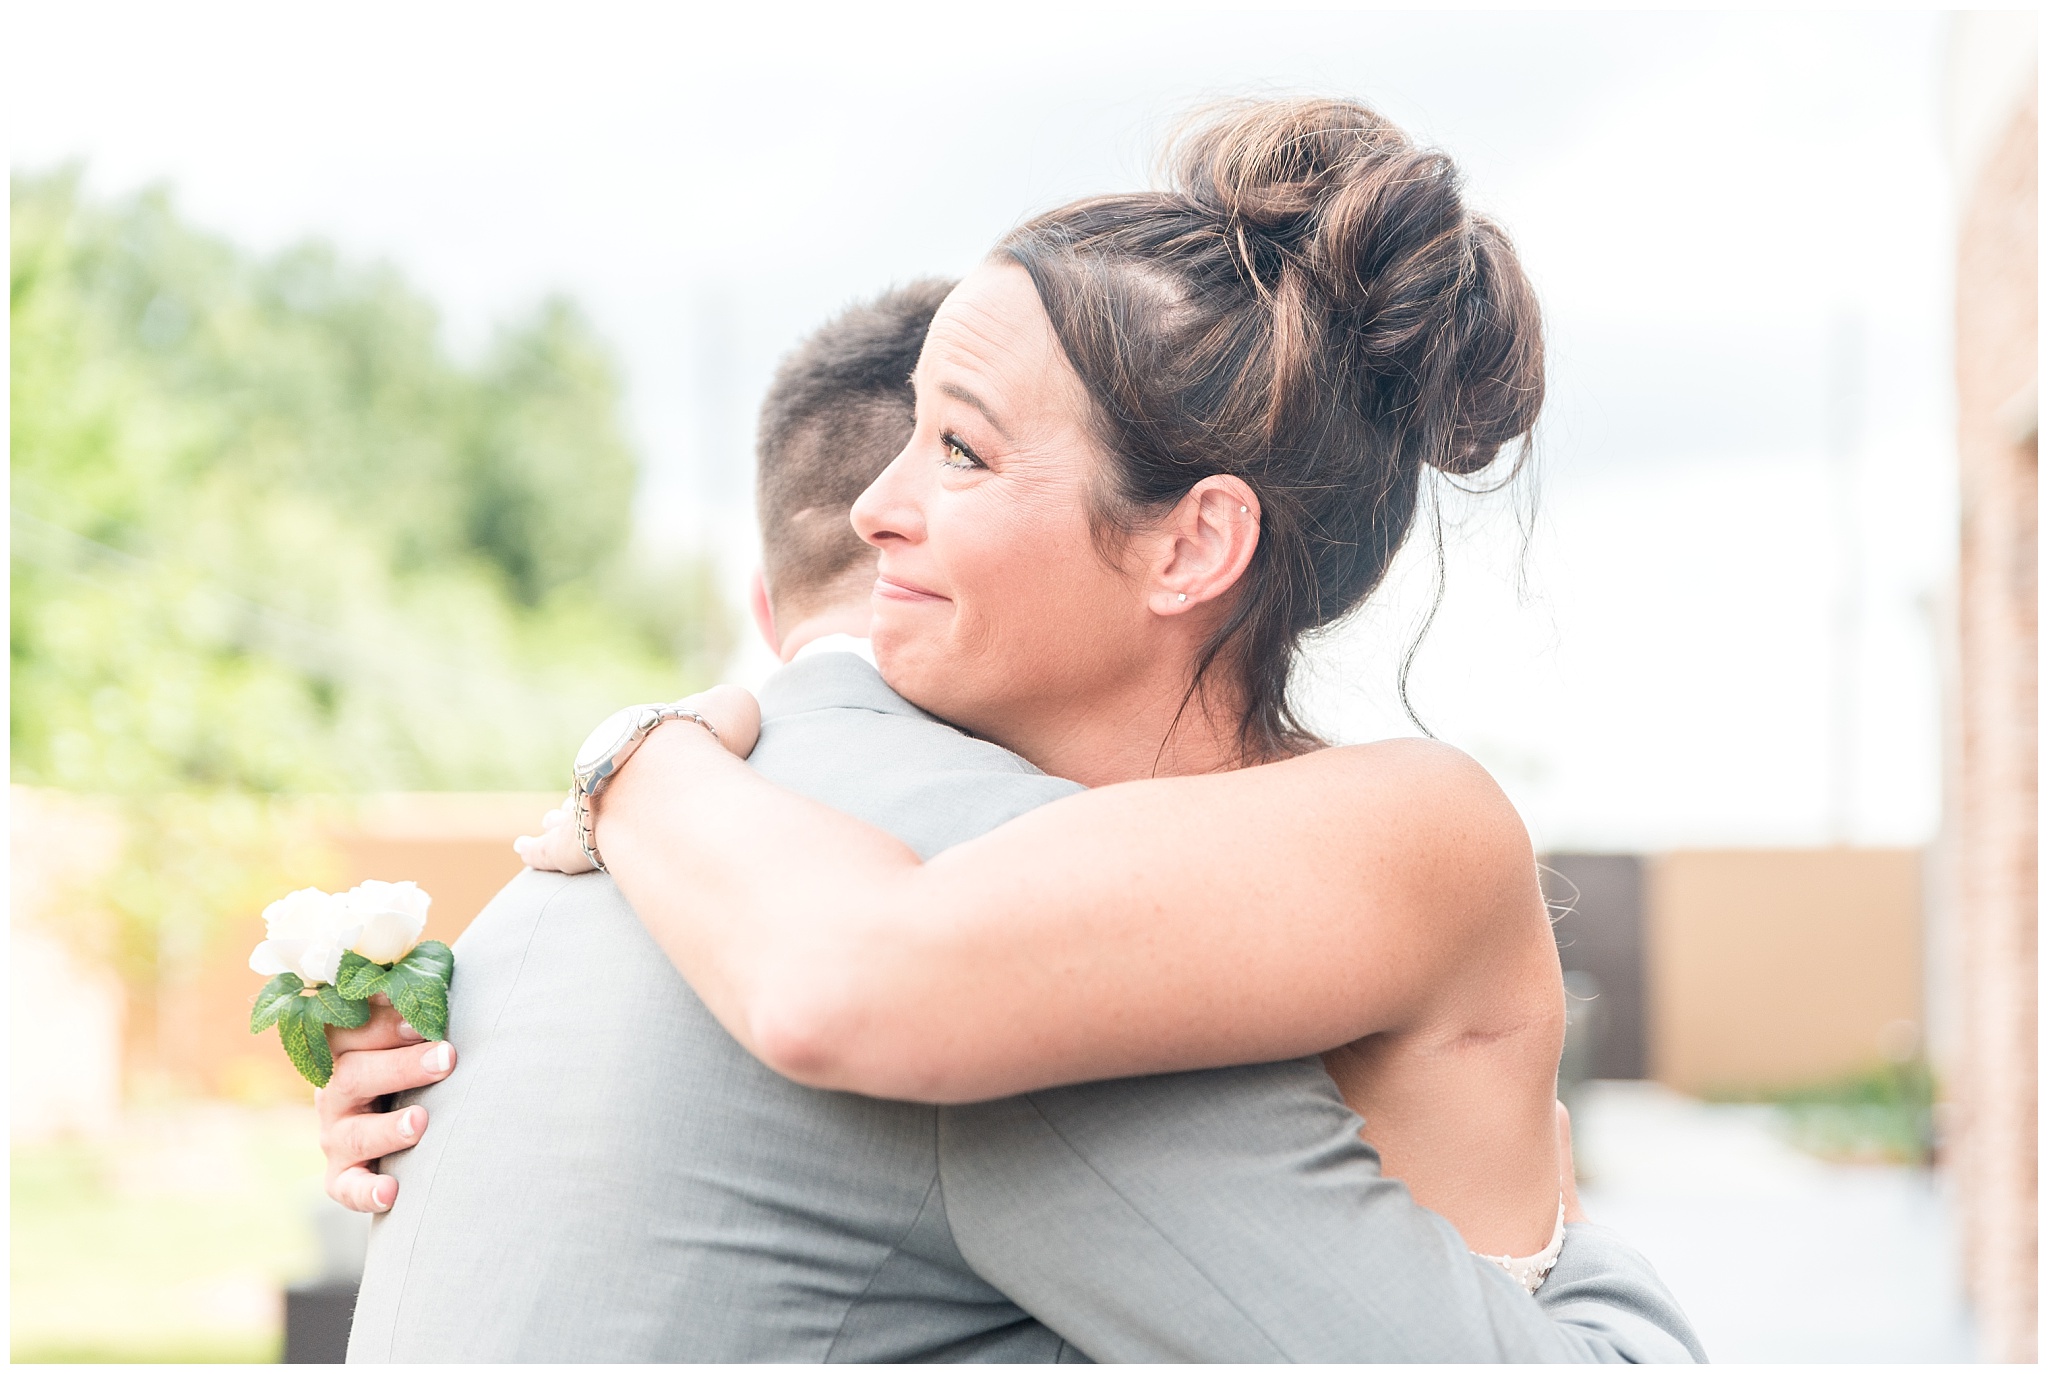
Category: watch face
<point>606,738</point>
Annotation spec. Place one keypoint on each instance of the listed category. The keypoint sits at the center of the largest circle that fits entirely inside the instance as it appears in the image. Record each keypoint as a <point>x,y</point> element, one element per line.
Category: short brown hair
<point>1312,307</point>
<point>840,408</point>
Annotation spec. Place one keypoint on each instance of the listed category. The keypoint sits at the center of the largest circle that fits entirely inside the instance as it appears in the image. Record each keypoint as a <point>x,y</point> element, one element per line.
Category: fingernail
<point>384,1193</point>
<point>405,1123</point>
<point>438,1059</point>
<point>406,1032</point>
<point>519,845</point>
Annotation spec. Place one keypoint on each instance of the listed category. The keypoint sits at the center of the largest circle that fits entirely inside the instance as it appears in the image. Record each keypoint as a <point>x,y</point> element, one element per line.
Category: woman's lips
<point>896,589</point>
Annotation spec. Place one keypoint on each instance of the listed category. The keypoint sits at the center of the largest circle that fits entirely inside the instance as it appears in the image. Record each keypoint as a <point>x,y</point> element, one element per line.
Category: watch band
<point>586,791</point>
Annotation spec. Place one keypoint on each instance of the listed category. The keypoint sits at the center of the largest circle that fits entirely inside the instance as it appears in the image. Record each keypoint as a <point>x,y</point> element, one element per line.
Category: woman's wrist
<point>733,715</point>
<point>673,753</point>
<point>723,720</point>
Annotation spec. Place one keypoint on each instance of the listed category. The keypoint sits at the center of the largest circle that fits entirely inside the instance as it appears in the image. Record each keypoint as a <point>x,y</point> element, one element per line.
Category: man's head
<point>840,408</point>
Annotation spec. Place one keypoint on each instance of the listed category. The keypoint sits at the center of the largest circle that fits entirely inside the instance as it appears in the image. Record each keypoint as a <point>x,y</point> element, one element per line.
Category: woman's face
<point>993,606</point>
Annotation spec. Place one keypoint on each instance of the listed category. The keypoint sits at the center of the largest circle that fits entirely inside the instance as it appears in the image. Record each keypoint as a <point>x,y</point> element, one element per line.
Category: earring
<point>1244,510</point>
<point>1183,596</point>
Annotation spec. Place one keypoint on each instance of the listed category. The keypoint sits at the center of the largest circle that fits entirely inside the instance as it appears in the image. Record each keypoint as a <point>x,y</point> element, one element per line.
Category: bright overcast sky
<point>1740,226</point>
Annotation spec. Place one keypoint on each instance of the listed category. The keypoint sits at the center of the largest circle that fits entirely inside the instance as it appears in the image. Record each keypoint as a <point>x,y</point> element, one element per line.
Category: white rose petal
<point>273,957</point>
<point>321,963</point>
<point>388,936</point>
<point>308,931</point>
<point>306,914</point>
<point>391,917</point>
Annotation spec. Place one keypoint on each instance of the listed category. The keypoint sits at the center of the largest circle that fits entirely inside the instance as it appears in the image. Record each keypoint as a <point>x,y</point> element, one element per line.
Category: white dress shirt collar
<point>863,649</point>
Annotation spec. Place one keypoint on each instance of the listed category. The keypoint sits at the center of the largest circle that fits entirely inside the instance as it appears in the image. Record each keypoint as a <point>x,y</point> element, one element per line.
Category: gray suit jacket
<point>608,1175</point>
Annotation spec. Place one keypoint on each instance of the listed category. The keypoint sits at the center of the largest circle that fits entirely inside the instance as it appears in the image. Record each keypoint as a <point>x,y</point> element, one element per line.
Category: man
<point>611,1177</point>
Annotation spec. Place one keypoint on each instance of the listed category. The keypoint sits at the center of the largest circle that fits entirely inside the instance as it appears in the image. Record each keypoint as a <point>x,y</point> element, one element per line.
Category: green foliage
<point>418,988</point>
<point>270,537</point>
<point>302,1016</point>
<point>271,1001</point>
<point>1883,1116</point>
<point>182,865</point>
<point>417,984</point>
<point>120,1241</point>
<point>331,1008</point>
<point>357,977</point>
<point>305,1040</point>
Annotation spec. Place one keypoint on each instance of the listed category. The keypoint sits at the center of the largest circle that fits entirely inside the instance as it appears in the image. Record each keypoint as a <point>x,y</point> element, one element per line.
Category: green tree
<point>269,536</point>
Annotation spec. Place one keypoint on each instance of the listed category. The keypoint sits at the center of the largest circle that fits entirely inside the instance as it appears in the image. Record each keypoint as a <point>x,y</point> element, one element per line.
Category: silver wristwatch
<point>607,750</point>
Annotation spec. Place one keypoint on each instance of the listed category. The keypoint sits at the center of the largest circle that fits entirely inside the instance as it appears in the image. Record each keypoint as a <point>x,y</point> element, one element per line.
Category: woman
<point>1160,438</point>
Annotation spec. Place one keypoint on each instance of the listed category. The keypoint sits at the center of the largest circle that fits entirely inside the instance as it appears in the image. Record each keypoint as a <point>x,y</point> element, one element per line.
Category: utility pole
<point>1845,403</point>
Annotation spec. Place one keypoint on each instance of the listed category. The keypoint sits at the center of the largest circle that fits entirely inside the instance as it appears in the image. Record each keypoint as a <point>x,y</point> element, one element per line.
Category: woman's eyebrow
<point>961,393</point>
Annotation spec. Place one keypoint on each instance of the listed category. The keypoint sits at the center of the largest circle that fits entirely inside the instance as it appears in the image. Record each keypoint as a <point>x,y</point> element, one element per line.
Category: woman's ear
<point>1206,544</point>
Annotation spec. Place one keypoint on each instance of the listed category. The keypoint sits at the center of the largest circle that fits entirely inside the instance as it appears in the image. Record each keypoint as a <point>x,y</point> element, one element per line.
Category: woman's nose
<point>891,508</point>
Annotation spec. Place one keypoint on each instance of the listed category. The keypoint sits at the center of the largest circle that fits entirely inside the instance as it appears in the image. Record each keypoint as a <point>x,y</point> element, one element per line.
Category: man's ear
<point>764,613</point>
<point>1205,545</point>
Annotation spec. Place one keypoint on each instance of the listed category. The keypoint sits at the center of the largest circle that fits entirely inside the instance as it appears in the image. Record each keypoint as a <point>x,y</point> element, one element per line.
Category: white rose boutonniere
<point>390,916</point>
<point>309,932</point>
<point>328,953</point>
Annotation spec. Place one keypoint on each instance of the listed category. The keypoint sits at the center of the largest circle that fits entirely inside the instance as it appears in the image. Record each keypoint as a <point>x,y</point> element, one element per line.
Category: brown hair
<point>1312,308</point>
<point>840,408</point>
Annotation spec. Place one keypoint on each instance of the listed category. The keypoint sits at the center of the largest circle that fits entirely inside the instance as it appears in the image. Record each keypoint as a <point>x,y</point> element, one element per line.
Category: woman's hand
<point>733,713</point>
<point>736,718</point>
<point>385,1055</point>
<point>556,849</point>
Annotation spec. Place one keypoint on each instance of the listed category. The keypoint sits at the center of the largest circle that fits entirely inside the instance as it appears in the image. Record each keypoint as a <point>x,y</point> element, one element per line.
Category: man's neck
<point>847,618</point>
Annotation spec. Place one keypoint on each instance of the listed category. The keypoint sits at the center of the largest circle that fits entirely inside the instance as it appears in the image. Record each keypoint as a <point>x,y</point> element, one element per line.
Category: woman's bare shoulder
<point>1427,771</point>
<point>1420,779</point>
<point>1440,808</point>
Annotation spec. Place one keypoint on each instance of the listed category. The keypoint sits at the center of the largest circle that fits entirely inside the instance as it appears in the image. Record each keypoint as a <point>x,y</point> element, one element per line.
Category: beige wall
<point>457,846</point>
<point>1764,968</point>
<point>1779,968</point>
<point>58,994</point>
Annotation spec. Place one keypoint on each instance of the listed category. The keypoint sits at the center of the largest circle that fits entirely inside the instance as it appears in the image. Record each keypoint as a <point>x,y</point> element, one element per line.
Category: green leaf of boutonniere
<point>305,1041</point>
<point>359,977</point>
<point>271,1001</point>
<point>433,959</point>
<point>421,998</point>
<point>327,1004</point>
<point>417,986</point>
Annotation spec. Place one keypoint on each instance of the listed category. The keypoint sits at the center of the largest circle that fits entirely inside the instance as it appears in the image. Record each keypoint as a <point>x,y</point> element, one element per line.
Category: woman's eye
<point>958,455</point>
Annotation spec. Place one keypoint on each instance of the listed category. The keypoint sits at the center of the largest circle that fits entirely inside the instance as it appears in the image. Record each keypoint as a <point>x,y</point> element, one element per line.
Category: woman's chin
<point>903,657</point>
<point>918,670</point>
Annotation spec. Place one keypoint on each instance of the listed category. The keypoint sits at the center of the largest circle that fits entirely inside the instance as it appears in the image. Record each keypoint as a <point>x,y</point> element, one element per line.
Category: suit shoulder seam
<point>1279,1350</point>
<point>895,1249</point>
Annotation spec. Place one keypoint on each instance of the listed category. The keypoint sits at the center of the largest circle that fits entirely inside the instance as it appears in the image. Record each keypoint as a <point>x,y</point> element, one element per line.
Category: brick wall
<point>1993,817</point>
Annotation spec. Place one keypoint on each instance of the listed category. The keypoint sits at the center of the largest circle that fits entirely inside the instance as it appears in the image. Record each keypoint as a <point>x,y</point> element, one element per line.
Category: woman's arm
<point>1138,928</point>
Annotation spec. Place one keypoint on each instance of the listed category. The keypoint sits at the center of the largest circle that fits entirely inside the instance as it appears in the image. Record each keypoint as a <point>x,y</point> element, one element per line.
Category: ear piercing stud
<point>1244,510</point>
<point>1183,596</point>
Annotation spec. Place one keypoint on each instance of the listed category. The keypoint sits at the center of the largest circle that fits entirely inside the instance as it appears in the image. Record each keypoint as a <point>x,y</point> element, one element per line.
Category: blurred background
<point>382,391</point>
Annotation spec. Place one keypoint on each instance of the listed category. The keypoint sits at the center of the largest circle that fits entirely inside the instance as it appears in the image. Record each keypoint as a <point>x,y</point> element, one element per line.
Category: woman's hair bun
<point>1335,211</point>
<point>1309,306</point>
